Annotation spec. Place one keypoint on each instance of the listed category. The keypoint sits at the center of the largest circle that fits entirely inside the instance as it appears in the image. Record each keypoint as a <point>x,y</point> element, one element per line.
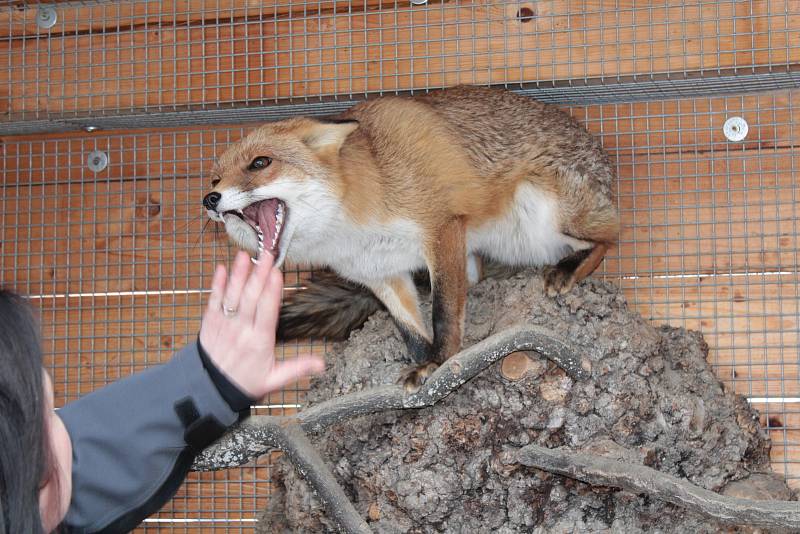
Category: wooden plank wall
<point>172,54</point>
<point>118,260</point>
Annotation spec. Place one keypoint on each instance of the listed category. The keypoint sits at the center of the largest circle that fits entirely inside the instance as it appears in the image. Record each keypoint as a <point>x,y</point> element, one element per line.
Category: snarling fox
<point>434,183</point>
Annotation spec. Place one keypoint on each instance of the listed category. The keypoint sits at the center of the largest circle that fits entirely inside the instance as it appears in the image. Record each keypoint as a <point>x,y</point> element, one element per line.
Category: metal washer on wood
<point>97,160</point>
<point>735,129</point>
<point>46,17</point>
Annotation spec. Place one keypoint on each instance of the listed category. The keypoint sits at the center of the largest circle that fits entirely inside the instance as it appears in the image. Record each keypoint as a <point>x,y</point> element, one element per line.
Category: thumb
<point>289,371</point>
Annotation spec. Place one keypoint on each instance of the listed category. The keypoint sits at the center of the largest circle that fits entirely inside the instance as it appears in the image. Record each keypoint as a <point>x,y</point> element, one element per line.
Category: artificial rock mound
<point>652,399</point>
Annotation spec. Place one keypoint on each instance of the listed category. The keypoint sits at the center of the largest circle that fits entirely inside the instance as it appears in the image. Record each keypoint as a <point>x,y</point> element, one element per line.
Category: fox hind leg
<point>561,277</point>
<point>596,224</point>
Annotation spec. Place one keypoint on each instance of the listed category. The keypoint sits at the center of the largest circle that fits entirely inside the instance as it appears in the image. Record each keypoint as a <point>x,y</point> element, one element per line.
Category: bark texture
<point>644,396</point>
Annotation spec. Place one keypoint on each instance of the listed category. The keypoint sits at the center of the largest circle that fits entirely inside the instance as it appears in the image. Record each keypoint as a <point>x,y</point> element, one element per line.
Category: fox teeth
<point>279,219</point>
<point>260,250</point>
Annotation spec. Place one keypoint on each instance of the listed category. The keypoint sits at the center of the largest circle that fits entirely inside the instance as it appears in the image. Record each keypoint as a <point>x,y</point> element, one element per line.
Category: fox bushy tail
<point>331,307</point>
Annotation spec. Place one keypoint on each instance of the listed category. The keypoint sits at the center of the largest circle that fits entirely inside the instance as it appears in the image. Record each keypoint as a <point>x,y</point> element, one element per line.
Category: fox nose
<point>211,200</point>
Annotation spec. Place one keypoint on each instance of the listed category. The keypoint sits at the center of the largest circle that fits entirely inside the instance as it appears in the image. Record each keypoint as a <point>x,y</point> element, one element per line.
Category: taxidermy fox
<point>396,185</point>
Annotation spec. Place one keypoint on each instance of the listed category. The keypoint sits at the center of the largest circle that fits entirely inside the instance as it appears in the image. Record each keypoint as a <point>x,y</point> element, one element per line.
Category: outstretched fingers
<point>233,292</point>
<point>218,284</point>
<point>255,285</point>
<point>269,303</point>
<point>286,372</point>
<point>238,328</point>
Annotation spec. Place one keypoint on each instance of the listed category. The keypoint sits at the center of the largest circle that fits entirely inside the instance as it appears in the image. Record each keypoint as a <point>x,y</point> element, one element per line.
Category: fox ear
<point>329,134</point>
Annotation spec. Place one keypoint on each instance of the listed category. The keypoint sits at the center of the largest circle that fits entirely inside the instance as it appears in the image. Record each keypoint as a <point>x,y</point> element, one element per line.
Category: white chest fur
<point>528,234</point>
<point>362,252</point>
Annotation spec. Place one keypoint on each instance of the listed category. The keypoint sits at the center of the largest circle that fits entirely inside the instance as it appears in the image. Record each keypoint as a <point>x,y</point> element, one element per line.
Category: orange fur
<point>423,174</point>
<point>447,262</point>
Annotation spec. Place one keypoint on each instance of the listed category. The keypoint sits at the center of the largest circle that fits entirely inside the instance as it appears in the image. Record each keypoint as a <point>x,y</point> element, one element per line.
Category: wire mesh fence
<point>710,239</point>
<point>112,58</point>
<point>118,259</point>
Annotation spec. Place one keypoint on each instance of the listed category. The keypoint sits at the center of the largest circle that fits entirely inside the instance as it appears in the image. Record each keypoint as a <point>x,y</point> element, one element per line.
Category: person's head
<point>35,452</point>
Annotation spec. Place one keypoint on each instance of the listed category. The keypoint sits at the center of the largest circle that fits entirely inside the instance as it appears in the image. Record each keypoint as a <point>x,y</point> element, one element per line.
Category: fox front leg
<point>447,262</point>
<point>399,295</point>
<point>448,267</point>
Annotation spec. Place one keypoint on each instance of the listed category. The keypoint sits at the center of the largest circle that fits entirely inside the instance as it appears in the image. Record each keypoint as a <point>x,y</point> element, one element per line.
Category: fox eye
<point>261,162</point>
<point>214,182</point>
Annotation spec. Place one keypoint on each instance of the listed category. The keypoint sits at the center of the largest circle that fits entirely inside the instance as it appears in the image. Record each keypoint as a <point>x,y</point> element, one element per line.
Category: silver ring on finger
<point>228,311</point>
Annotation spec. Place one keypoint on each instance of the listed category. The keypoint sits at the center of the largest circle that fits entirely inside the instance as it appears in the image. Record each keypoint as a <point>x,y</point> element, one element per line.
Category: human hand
<point>240,338</point>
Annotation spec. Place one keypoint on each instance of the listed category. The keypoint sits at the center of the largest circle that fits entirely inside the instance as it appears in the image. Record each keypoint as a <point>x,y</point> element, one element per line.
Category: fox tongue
<point>264,213</point>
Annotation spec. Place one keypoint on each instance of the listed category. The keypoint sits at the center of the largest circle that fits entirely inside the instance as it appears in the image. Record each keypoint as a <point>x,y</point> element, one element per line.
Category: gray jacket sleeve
<point>134,441</point>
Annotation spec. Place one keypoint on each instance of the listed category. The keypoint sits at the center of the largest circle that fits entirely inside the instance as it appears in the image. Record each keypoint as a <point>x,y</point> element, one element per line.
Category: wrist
<point>237,399</point>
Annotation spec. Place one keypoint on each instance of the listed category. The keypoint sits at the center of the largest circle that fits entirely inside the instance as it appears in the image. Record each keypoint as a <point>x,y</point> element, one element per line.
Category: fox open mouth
<point>258,227</point>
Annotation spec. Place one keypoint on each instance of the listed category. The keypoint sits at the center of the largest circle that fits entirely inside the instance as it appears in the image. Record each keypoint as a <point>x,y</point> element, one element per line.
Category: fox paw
<point>558,281</point>
<point>413,378</point>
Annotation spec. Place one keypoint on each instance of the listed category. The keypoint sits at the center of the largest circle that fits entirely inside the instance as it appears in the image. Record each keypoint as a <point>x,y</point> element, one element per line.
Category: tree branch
<point>251,438</point>
<point>247,440</point>
<point>304,457</point>
<point>600,471</point>
<point>469,362</point>
<point>260,434</point>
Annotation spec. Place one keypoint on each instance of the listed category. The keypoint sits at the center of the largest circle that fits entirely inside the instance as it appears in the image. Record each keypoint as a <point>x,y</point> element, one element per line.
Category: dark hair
<point>24,458</point>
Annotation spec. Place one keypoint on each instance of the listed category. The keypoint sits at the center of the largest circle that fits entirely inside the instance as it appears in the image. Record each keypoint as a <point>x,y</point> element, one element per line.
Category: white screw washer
<point>46,17</point>
<point>97,160</point>
<point>735,129</point>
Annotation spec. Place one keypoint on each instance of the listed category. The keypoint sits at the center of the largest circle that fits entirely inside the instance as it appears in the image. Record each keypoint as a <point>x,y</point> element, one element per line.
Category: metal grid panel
<point>106,58</point>
<point>118,265</point>
<point>711,239</point>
